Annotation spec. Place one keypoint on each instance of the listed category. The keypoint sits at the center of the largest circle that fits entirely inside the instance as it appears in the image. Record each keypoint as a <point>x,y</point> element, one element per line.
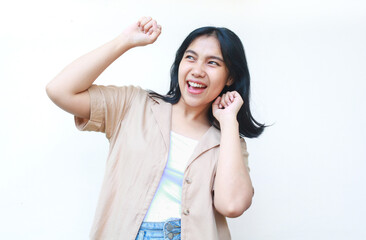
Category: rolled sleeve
<point>245,156</point>
<point>96,121</point>
<point>108,105</point>
<point>244,152</point>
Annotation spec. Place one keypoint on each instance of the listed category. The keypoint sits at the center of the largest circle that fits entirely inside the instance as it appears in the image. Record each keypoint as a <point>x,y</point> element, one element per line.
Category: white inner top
<point>167,199</point>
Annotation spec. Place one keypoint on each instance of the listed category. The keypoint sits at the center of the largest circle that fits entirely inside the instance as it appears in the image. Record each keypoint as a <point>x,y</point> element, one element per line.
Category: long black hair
<point>234,57</point>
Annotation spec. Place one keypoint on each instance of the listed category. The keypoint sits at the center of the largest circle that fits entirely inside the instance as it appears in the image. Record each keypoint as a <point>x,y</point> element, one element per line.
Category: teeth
<point>193,84</point>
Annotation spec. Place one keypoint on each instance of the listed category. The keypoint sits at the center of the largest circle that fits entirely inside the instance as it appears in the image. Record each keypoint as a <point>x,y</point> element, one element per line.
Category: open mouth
<point>196,85</point>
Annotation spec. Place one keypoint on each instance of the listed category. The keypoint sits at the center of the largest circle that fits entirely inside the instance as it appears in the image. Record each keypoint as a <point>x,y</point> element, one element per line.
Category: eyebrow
<point>214,57</point>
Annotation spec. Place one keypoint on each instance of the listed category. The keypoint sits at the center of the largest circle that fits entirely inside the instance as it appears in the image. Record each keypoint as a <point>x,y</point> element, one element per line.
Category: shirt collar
<point>162,112</point>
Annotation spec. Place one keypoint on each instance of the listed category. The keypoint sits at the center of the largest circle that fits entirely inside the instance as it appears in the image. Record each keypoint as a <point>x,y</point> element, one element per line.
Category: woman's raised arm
<point>68,89</point>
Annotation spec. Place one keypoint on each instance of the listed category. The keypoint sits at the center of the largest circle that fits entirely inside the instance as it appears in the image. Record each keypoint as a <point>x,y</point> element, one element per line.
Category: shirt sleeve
<point>108,106</point>
<point>244,153</point>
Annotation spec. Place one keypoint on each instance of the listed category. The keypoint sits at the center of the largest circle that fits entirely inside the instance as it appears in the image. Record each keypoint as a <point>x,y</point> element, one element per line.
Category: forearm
<point>81,73</point>
<point>68,88</point>
<point>233,187</point>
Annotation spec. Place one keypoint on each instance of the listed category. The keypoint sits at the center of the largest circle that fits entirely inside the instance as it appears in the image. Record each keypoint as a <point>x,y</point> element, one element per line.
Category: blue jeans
<point>168,230</point>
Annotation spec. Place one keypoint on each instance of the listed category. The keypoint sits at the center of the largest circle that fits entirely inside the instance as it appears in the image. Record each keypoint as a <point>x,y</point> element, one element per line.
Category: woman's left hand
<point>227,106</point>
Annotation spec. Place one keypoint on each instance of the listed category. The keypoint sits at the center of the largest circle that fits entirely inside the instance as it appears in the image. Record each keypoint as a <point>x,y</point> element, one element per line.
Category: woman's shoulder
<point>159,98</point>
<point>131,92</point>
<point>113,90</point>
<point>116,88</point>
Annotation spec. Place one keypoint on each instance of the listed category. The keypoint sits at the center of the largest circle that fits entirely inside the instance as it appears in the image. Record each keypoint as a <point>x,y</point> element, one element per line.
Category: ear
<point>229,81</point>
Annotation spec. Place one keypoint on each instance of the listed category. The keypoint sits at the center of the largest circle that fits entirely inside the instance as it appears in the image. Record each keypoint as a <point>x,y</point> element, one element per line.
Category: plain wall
<point>307,64</point>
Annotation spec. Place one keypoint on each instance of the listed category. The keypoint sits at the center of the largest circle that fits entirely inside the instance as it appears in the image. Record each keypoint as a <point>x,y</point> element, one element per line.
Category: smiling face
<point>202,72</point>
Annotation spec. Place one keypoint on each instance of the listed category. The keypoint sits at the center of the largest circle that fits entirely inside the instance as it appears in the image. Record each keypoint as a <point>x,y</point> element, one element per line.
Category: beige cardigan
<point>138,129</point>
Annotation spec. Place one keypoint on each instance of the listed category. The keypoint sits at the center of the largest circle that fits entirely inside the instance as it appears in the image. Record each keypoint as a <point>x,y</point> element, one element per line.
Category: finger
<point>140,21</point>
<point>148,26</point>
<point>156,32</point>
<point>235,94</point>
<point>215,104</point>
<point>222,102</point>
<point>143,21</point>
<point>227,100</point>
<point>238,97</point>
<point>153,28</point>
<point>231,96</point>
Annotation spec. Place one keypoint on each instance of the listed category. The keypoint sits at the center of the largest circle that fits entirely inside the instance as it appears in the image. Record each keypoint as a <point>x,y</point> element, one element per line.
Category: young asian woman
<point>178,163</point>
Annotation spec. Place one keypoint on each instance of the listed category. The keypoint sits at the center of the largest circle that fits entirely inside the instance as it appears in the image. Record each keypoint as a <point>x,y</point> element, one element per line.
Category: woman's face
<point>202,72</point>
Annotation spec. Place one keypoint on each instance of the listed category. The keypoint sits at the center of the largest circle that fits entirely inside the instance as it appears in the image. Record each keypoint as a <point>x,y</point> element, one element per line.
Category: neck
<point>189,113</point>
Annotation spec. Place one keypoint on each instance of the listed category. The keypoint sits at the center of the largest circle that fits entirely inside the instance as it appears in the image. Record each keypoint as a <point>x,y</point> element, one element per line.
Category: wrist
<point>123,43</point>
<point>228,121</point>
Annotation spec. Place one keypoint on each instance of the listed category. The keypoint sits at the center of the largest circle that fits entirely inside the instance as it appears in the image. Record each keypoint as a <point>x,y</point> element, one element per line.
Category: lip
<point>195,81</point>
<point>193,90</point>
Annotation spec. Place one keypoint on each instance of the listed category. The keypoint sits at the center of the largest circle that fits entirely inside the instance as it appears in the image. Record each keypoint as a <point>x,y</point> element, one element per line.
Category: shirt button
<point>186,212</point>
<point>169,227</point>
<point>188,180</point>
<point>170,235</point>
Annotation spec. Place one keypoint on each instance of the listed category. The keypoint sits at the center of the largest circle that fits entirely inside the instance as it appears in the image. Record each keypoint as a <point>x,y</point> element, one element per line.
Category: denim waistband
<point>169,230</point>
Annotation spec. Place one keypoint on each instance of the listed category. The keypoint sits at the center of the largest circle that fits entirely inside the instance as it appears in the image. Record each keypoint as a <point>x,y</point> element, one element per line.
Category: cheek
<point>182,74</point>
<point>220,80</point>
<point>217,93</point>
<point>182,70</point>
<point>219,86</point>
<point>181,77</point>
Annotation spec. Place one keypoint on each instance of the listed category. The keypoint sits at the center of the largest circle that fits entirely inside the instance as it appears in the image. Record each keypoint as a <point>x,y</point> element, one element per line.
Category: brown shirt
<point>138,129</point>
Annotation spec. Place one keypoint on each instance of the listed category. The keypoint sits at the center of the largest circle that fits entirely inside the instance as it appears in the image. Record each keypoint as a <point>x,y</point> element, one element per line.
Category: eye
<point>213,63</point>
<point>189,57</point>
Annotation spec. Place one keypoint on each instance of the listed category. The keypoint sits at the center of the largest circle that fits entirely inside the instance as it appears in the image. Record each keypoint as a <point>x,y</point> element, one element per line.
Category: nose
<point>198,71</point>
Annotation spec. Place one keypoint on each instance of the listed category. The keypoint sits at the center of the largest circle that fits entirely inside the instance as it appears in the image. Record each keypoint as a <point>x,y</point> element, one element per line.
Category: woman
<point>177,165</point>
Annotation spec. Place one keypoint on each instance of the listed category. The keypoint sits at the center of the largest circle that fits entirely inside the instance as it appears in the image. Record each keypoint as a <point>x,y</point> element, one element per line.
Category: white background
<point>307,63</point>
